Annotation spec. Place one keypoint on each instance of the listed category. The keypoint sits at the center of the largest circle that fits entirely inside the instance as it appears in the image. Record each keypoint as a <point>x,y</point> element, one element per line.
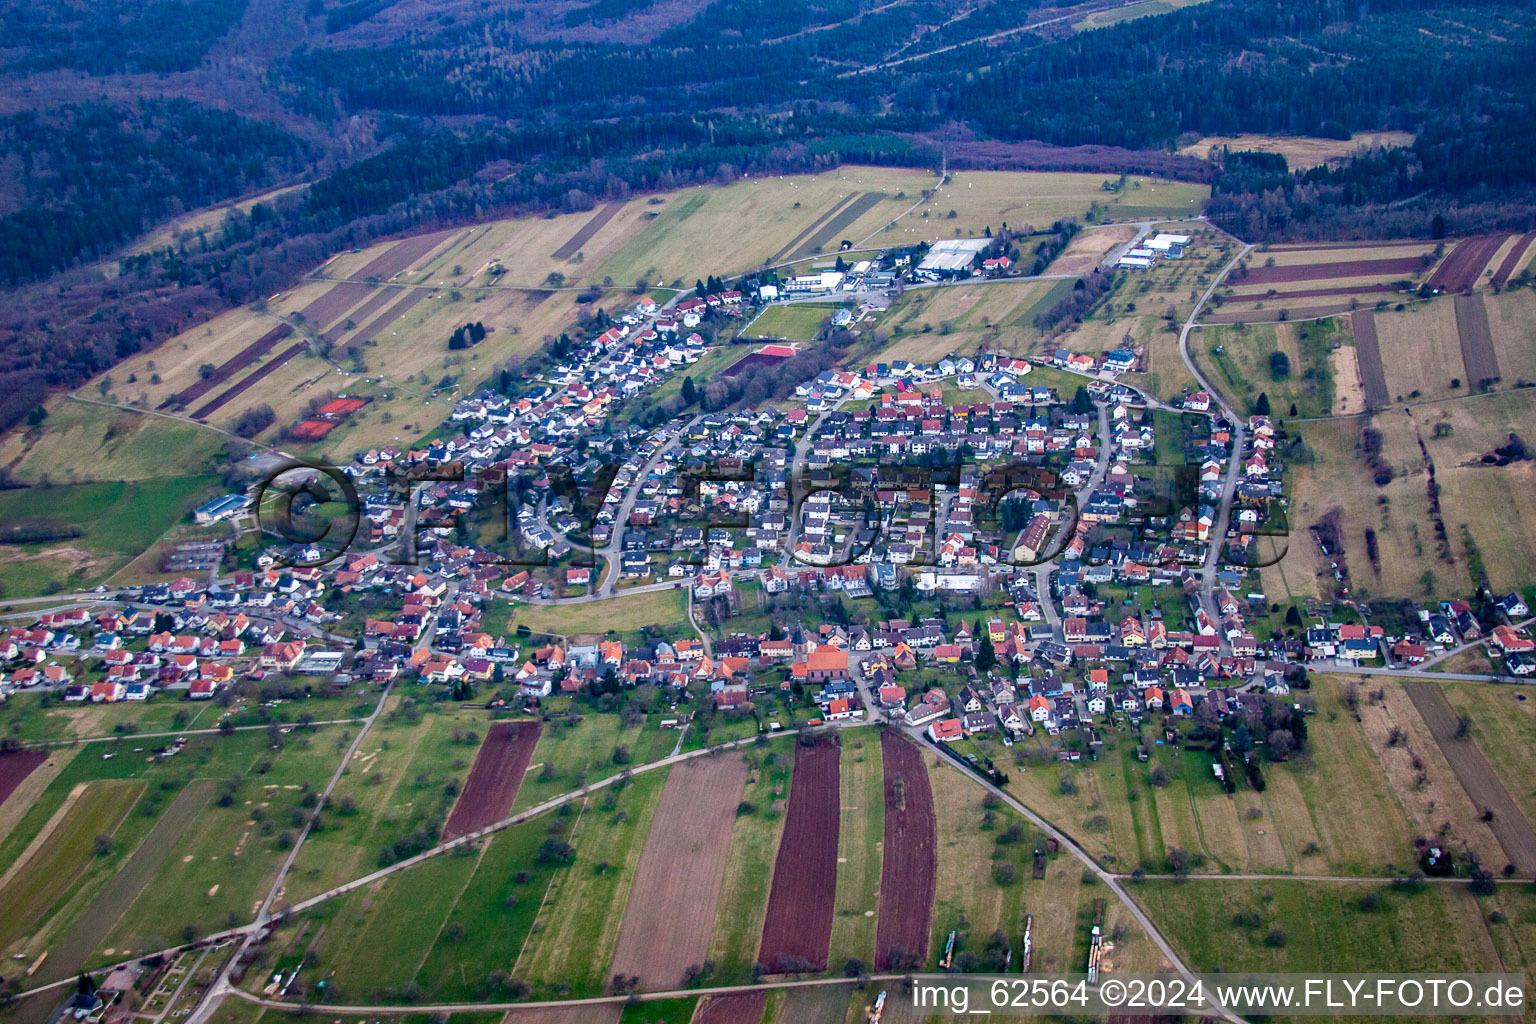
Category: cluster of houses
<point>867,523</point>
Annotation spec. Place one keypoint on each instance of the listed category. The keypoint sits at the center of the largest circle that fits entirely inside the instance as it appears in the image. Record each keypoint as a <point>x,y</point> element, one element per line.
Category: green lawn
<point>859,838</point>
<point>661,608</point>
<point>376,939</point>
<point>799,321</point>
<point>660,1011</point>
<point>754,845</point>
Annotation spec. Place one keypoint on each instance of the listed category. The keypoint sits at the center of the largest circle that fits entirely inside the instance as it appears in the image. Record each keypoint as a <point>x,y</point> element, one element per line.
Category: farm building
<point>952,256</point>
<point>1171,246</point>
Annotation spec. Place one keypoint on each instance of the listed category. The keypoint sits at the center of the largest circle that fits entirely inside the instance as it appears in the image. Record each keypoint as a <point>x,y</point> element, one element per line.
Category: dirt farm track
<point>677,883</point>
<point>1477,777</point>
<point>797,931</point>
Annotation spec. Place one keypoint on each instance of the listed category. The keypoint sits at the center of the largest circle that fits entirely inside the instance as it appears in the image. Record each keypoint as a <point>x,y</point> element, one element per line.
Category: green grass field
<point>81,442</point>
<point>859,838</point>
<point>800,321</point>
<point>569,756</point>
<point>754,845</point>
<point>49,873</point>
<point>496,913</point>
<point>1305,822</point>
<point>135,896</point>
<point>926,324</point>
<point>583,908</point>
<point>1322,926</point>
<point>661,608</point>
<point>399,781</point>
<point>376,939</point>
<point>1241,360</point>
<point>117,520</point>
<point>968,900</point>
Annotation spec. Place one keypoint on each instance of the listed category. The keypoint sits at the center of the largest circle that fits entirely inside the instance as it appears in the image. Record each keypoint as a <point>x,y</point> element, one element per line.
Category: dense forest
<point>95,176</point>
<point>109,36</point>
<point>490,108</point>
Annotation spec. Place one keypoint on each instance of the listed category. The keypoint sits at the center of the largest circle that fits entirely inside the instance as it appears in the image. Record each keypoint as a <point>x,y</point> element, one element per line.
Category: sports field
<point>800,321</point>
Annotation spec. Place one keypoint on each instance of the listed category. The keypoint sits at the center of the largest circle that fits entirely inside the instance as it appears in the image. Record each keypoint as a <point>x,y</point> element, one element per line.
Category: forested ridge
<point>492,109</point>
<point>96,175</point>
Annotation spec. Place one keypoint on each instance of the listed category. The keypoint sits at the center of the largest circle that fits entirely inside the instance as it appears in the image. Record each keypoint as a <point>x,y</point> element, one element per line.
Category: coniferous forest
<point>121,115</point>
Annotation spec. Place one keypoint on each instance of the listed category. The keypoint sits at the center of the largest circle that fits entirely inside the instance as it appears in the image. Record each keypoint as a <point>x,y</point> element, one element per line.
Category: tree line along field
<point>1301,152</point>
<point>1483,508</point>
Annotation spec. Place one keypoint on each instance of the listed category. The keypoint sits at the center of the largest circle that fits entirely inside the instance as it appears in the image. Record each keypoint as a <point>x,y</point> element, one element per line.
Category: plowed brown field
<point>493,781</point>
<point>797,931</point>
<point>677,883</point>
